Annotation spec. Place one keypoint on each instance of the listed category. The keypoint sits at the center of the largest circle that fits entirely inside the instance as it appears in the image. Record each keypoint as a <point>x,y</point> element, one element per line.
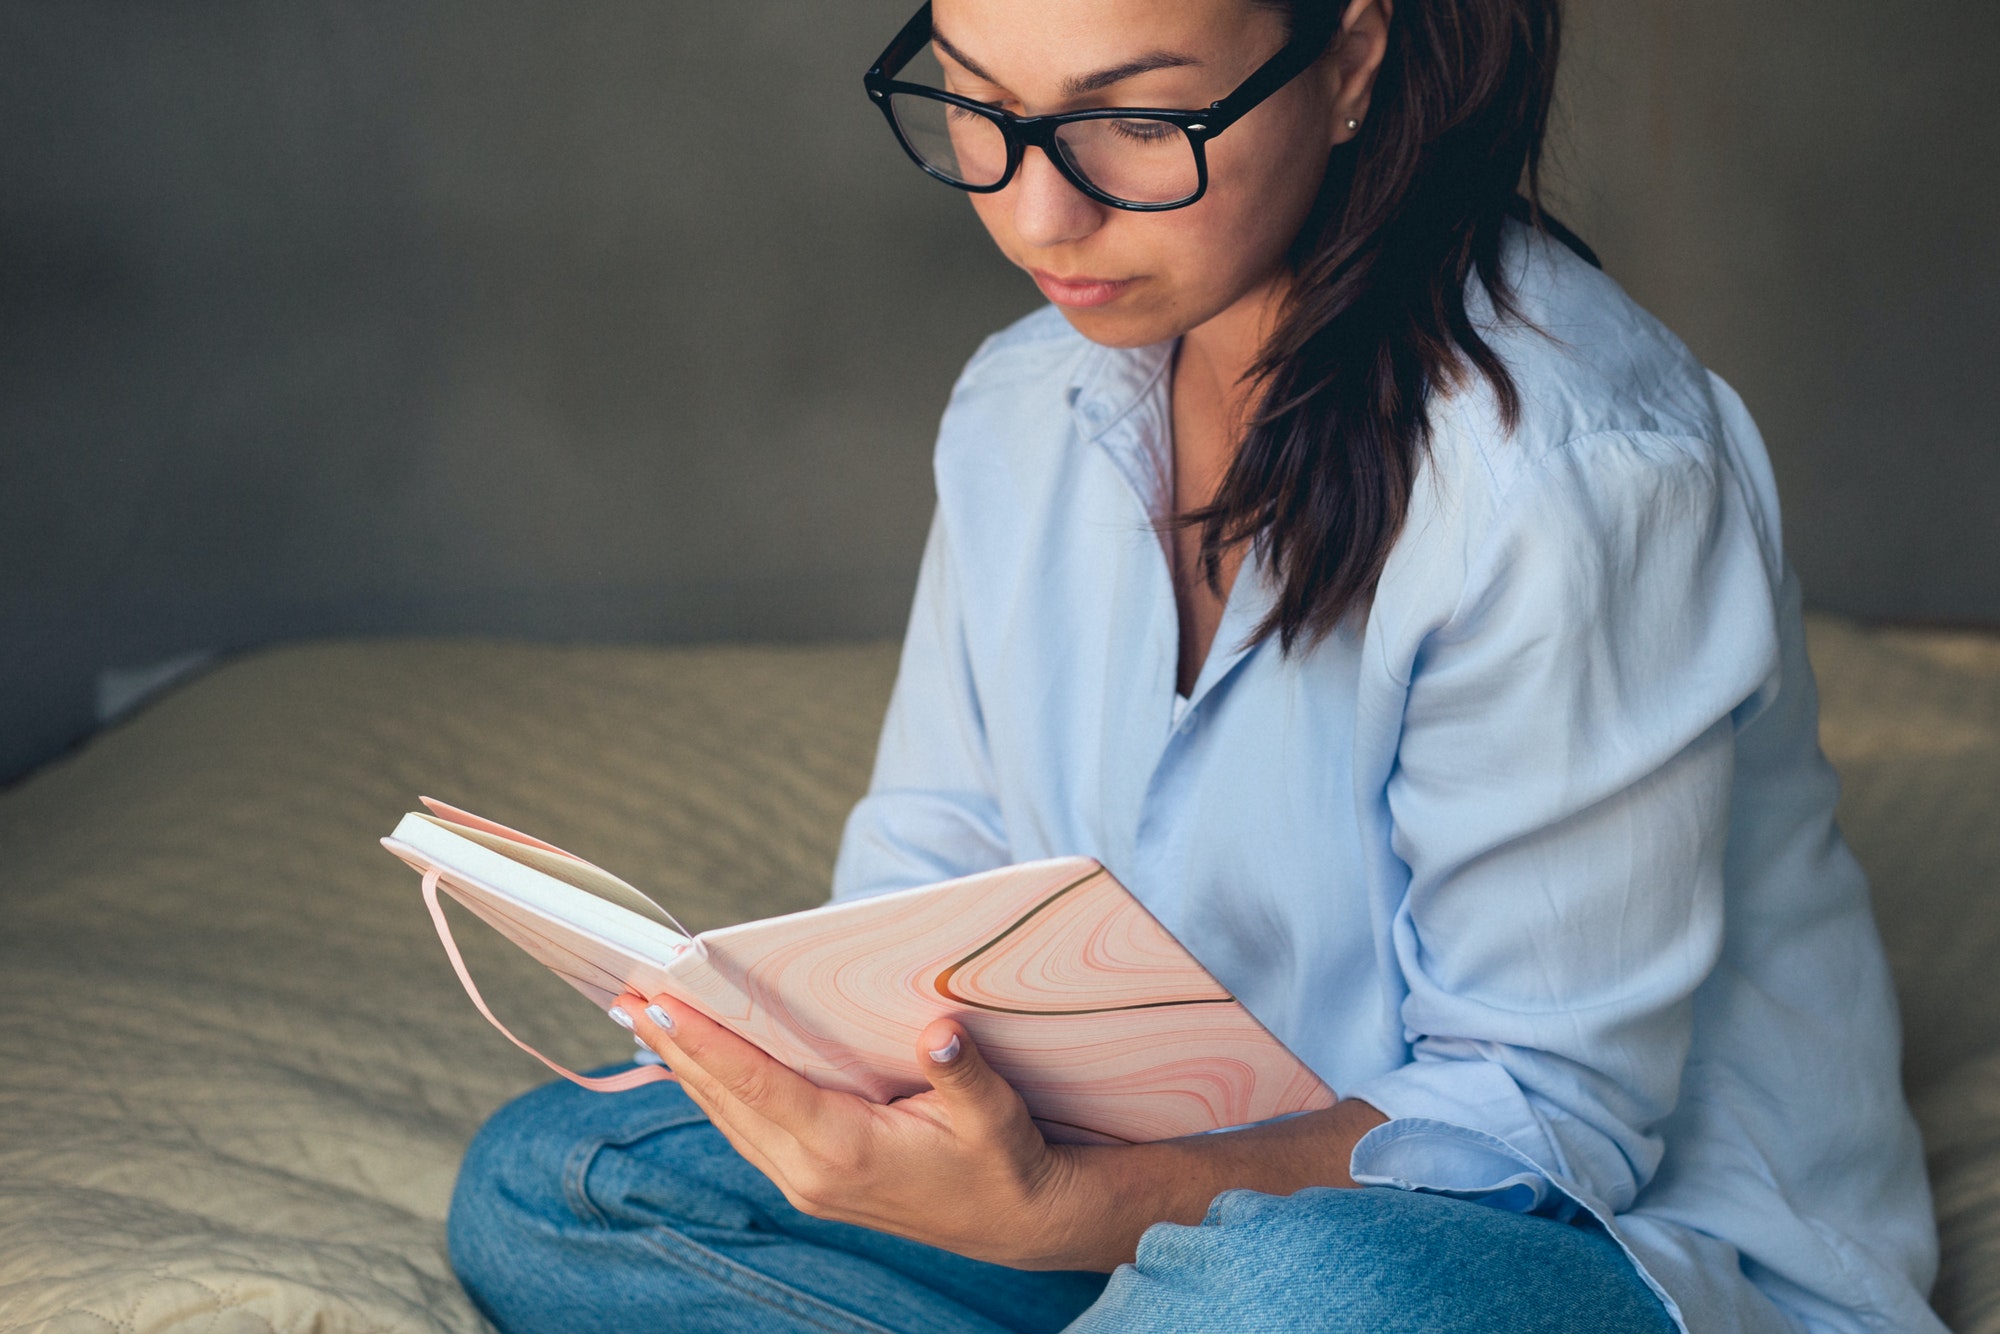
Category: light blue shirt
<point>1537,857</point>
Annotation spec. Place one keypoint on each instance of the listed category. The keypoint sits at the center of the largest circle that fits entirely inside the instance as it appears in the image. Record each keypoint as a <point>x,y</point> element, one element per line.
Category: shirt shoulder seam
<point>1529,472</point>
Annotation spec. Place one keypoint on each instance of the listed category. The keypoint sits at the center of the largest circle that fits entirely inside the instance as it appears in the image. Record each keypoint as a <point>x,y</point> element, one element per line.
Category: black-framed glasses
<point>1142,158</point>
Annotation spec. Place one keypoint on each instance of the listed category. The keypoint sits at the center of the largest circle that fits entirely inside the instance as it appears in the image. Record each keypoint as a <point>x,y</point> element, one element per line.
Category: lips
<point>1080,291</point>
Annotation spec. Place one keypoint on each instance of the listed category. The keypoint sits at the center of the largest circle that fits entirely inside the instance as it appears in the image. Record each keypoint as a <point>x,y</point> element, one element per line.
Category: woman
<point>1399,611</point>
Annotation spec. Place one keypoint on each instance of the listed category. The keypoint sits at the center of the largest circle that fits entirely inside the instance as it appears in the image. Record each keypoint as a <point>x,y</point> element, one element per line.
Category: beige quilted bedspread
<point>236,1074</point>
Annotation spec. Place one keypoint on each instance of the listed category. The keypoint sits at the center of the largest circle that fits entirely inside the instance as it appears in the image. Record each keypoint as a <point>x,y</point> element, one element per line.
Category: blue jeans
<point>630,1212</point>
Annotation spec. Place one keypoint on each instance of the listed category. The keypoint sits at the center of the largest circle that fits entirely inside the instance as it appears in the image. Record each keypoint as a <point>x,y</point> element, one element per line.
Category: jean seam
<point>576,1167</point>
<point>759,1287</point>
<point>576,1188</point>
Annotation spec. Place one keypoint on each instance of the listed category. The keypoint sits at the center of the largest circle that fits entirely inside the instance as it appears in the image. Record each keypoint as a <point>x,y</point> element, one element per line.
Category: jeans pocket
<point>647,1121</point>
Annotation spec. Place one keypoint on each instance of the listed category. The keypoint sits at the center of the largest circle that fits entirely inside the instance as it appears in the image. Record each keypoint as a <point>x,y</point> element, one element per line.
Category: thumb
<point>970,1087</point>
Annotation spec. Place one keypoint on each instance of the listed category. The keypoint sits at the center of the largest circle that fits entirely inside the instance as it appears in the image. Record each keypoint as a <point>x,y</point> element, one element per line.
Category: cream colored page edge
<point>567,867</point>
<point>455,848</point>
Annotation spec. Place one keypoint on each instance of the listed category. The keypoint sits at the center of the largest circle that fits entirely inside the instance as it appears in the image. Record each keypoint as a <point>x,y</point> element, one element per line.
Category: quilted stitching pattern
<point>1912,721</point>
<point>236,1076</point>
<point>235,1073</point>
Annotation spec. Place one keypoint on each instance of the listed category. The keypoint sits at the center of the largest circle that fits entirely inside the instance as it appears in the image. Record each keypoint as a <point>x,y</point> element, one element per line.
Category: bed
<point>236,1074</point>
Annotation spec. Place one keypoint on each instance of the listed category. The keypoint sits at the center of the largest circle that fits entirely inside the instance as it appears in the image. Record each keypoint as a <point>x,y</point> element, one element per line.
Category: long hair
<point>1376,321</point>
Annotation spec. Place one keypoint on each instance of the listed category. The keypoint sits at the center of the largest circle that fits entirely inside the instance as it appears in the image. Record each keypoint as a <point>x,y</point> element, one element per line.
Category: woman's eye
<point>1143,131</point>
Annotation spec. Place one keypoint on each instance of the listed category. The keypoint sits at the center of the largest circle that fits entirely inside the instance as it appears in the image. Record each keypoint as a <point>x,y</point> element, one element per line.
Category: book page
<point>466,855</point>
<point>599,968</point>
<point>564,866</point>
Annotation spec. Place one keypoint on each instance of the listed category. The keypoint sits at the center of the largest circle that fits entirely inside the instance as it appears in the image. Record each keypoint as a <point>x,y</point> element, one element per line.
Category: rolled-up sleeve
<point>1560,799</point>
<point>930,813</point>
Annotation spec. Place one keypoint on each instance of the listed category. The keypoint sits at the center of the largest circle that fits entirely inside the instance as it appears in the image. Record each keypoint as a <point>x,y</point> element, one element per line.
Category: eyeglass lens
<point>959,145</point>
<point>1128,158</point>
<point>1138,161</point>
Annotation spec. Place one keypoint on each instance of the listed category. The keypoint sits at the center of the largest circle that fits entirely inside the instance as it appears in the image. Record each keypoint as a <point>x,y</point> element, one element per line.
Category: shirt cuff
<point>1440,1158</point>
<point>1433,1143</point>
<point>1463,1128</point>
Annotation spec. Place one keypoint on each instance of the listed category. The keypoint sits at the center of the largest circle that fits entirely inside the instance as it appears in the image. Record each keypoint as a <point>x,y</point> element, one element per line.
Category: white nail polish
<point>619,1017</point>
<point>948,1053</point>
<point>661,1018</point>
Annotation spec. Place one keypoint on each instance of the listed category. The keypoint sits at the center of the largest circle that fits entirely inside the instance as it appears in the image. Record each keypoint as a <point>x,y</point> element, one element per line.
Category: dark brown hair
<point>1376,322</point>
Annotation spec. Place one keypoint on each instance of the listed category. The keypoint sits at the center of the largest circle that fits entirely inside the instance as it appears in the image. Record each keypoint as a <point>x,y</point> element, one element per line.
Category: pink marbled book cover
<point>1110,1030</point>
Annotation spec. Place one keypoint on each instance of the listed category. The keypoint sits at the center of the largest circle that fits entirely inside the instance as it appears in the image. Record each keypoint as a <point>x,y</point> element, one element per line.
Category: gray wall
<point>436,315</point>
<point>1809,194</point>
<point>531,318</point>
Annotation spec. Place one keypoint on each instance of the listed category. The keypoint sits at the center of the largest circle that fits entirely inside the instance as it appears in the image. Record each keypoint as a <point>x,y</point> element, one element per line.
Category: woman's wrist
<point>1097,1201</point>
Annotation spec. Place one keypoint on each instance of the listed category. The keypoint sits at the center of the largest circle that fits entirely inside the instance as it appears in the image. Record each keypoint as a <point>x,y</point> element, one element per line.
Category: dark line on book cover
<point>1088,1130</point>
<point>943,982</point>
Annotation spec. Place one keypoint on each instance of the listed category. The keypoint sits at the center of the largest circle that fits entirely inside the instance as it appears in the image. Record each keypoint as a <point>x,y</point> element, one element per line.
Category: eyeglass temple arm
<point>1308,43</point>
<point>903,47</point>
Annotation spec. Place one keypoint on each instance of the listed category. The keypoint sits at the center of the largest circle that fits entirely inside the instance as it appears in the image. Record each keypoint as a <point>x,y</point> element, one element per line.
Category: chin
<point>1113,328</point>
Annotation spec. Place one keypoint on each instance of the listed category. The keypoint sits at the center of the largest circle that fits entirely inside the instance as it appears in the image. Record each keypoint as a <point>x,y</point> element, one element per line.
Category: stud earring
<point>1352,125</point>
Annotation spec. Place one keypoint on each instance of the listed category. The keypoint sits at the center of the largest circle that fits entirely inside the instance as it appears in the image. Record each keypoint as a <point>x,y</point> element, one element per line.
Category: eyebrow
<point>1080,84</point>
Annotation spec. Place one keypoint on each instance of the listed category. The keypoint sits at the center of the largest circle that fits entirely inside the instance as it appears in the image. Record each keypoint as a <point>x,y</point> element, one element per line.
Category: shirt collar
<point>1110,382</point>
<point>1119,397</point>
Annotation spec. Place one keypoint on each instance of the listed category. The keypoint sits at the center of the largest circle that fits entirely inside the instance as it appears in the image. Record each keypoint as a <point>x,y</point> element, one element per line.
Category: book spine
<point>699,979</point>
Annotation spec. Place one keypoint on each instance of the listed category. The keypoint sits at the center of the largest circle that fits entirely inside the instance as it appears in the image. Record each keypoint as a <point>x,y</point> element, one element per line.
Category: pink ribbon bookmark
<point>630,1079</point>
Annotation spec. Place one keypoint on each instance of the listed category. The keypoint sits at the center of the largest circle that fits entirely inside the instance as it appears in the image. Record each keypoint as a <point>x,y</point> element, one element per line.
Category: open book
<point>1107,1027</point>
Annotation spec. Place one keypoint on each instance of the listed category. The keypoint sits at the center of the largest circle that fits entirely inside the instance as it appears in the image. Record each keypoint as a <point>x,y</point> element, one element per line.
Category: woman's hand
<point>962,1166</point>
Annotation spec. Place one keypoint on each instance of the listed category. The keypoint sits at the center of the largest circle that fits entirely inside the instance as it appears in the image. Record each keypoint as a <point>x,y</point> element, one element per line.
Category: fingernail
<point>660,1017</point>
<point>948,1053</point>
<point>619,1017</point>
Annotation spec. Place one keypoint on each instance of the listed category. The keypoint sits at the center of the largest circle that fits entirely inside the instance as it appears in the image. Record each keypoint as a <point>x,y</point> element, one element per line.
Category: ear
<point>1358,49</point>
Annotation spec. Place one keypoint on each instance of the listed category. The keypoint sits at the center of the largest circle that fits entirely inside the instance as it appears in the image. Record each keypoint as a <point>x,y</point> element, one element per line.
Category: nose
<point>1048,210</point>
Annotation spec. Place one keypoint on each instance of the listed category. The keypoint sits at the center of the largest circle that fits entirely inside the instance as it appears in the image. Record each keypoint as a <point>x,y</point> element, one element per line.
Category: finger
<point>624,1012</point>
<point>731,1069</point>
<point>629,1010</point>
<point>717,1069</point>
<point>744,1130</point>
<point>730,1122</point>
<point>980,1102</point>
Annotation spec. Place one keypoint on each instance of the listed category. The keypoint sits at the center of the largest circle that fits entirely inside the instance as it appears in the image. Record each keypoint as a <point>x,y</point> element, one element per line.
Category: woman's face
<point>1123,278</point>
